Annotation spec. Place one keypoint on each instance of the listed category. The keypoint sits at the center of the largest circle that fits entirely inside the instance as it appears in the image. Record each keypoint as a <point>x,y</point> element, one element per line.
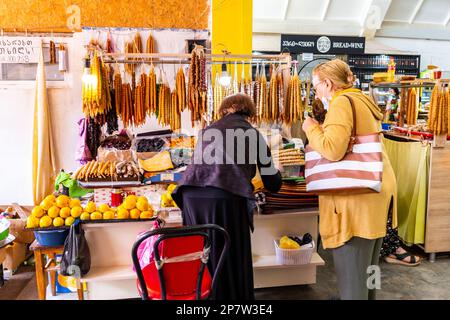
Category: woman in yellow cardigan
<point>351,225</point>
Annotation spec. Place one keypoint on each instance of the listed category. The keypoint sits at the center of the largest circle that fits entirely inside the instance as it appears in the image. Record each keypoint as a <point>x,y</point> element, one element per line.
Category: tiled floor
<point>427,281</point>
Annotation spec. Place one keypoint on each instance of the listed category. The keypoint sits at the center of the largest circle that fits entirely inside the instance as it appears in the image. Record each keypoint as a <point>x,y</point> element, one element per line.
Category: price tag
<point>167,177</point>
<point>307,56</point>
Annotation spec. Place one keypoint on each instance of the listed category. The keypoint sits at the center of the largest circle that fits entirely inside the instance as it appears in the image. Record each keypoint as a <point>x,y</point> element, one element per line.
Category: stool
<point>51,252</point>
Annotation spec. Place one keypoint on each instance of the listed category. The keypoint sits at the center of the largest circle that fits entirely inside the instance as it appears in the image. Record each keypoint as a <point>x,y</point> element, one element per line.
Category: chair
<point>178,271</point>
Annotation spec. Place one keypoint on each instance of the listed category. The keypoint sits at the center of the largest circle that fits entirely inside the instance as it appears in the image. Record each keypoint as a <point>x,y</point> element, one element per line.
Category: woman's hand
<point>308,123</point>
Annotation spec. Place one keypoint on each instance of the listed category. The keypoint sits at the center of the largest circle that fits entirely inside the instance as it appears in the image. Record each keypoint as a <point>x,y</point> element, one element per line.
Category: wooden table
<point>41,269</point>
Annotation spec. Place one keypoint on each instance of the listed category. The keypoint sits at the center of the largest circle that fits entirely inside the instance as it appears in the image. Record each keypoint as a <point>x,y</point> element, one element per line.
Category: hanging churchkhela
<point>263,101</point>
<point>150,48</point>
<point>411,109</point>
<point>293,105</point>
<point>439,108</point>
<point>151,94</point>
<point>180,87</point>
<point>197,90</point>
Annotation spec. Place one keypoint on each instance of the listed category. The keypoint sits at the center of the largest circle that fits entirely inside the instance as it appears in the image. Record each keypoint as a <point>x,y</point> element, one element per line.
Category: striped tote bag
<point>360,170</point>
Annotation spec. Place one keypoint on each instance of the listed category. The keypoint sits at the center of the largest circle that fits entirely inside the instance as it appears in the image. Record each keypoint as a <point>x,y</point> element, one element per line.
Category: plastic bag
<point>83,155</point>
<point>76,257</point>
<point>145,252</point>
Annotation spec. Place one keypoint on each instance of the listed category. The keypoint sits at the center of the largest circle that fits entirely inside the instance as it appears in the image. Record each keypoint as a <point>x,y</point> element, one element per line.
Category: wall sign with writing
<point>322,44</point>
<point>19,50</point>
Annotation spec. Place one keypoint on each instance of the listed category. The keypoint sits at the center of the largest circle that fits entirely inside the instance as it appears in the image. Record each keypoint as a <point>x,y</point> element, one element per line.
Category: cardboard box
<point>15,255</point>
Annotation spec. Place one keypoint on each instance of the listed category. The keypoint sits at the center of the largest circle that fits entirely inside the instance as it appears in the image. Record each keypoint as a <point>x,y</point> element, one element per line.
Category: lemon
<point>123,213</point>
<point>50,198</point>
<point>53,212</point>
<point>142,199</point>
<point>76,211</point>
<point>96,215</point>
<point>142,205</point>
<point>171,187</point>
<point>146,214</point>
<point>135,214</point>
<point>58,222</point>
<point>69,221</point>
<point>45,222</point>
<point>47,204</point>
<point>62,201</point>
<point>37,212</point>
<point>108,215</point>
<point>64,212</point>
<point>74,203</point>
<point>32,222</point>
<point>85,216</point>
<point>103,208</point>
<point>133,197</point>
<point>288,243</point>
<point>129,203</point>
<point>90,207</point>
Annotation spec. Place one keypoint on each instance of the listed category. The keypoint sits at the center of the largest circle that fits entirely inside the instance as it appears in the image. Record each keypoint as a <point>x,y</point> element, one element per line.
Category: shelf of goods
<point>437,214</point>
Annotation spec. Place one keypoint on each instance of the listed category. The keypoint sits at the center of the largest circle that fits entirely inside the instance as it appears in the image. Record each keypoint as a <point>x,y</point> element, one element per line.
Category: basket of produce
<point>51,219</point>
<point>293,250</point>
<point>291,160</point>
<point>116,147</point>
<point>109,171</point>
<point>132,208</point>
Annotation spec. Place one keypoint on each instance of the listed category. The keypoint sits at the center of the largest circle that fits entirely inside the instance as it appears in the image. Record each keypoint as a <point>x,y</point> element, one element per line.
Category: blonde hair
<point>337,71</point>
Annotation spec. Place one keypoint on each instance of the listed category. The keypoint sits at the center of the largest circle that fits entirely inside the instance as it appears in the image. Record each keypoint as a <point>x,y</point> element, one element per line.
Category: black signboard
<point>322,44</point>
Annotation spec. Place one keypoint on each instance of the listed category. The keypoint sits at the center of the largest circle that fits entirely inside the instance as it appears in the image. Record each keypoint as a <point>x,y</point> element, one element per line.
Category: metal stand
<point>432,257</point>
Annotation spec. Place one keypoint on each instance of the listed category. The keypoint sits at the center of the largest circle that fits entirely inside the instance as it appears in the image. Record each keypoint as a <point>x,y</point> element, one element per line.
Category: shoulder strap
<point>353,136</point>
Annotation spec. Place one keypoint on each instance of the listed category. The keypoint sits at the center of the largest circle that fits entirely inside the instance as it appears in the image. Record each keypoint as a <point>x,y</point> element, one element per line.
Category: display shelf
<point>113,273</point>
<point>310,212</point>
<point>270,262</point>
<point>382,68</point>
<point>110,184</point>
<point>90,222</point>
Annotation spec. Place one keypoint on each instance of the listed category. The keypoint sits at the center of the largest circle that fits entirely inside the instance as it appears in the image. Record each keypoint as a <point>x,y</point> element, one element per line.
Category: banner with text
<point>322,44</point>
<point>19,49</point>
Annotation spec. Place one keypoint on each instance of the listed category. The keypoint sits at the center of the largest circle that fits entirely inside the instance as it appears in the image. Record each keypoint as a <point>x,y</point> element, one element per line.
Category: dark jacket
<point>230,174</point>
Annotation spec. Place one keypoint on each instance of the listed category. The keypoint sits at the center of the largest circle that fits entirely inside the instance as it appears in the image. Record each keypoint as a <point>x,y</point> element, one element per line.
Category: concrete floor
<point>427,281</point>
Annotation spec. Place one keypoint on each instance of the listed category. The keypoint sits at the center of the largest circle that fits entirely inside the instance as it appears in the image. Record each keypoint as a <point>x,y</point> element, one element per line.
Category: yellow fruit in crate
<point>171,187</point>
<point>146,214</point>
<point>133,197</point>
<point>135,214</point>
<point>108,215</point>
<point>142,199</point>
<point>103,208</point>
<point>69,221</point>
<point>142,205</point>
<point>45,222</point>
<point>74,203</point>
<point>37,212</point>
<point>96,215</point>
<point>53,212</point>
<point>76,211</point>
<point>90,207</point>
<point>123,213</point>
<point>47,204</point>
<point>62,201</point>
<point>287,243</point>
<point>58,222</point>
<point>166,201</point>
<point>129,203</point>
<point>32,222</point>
<point>64,212</point>
<point>85,216</point>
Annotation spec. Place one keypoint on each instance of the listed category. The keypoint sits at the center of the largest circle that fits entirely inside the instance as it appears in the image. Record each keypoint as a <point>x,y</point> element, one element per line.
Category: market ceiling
<point>418,19</point>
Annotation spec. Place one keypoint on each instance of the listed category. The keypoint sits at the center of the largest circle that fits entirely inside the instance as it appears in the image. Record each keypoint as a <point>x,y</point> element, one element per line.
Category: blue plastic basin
<point>386,126</point>
<point>51,238</point>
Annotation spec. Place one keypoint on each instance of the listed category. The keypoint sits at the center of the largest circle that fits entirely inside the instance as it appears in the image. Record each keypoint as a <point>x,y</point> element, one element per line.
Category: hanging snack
<point>438,115</point>
<point>180,87</point>
<point>273,97</point>
<point>411,111</point>
<point>293,110</point>
<point>52,52</point>
<point>150,44</point>
<point>219,95</point>
<point>111,115</point>
<point>197,88</point>
<point>263,99</point>
<point>175,115</point>
<point>164,100</point>
<point>151,91</point>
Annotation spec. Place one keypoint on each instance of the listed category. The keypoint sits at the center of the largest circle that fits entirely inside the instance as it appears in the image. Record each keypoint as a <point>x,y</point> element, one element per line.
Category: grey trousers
<point>351,262</point>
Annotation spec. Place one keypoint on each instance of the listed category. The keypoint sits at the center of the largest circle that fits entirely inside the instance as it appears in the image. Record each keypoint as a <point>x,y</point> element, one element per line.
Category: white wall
<point>16,115</point>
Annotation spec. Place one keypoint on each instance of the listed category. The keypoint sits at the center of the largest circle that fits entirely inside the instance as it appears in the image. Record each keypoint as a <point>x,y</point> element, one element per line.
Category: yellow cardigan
<point>361,215</point>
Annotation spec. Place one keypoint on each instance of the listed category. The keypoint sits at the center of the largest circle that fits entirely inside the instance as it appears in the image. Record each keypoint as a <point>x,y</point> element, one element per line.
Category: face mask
<point>326,103</point>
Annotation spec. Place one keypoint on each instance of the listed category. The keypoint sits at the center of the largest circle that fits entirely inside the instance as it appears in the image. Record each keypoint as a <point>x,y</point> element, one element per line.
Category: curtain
<point>43,159</point>
<point>411,163</point>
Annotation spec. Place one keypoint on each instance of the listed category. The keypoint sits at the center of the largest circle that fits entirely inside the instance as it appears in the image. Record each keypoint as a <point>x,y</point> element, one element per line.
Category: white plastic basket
<point>293,256</point>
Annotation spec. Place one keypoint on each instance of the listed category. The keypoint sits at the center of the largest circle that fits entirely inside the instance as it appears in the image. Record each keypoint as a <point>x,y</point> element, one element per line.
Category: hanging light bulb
<point>87,77</point>
<point>225,78</point>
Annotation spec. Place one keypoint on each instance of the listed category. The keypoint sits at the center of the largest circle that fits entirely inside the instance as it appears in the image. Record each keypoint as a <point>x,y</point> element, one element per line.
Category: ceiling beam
<point>420,31</point>
<point>374,17</point>
<point>286,9</point>
<point>366,12</point>
<point>325,10</point>
<point>416,11</point>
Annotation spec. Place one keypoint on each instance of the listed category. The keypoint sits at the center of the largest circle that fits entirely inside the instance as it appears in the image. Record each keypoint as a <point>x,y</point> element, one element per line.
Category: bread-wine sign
<point>322,44</point>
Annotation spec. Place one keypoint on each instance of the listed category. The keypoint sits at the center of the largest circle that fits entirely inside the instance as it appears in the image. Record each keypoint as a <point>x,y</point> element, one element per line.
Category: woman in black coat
<point>216,188</point>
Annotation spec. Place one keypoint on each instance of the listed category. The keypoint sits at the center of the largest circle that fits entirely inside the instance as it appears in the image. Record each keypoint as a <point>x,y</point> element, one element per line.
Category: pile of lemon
<point>133,207</point>
<point>55,211</point>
